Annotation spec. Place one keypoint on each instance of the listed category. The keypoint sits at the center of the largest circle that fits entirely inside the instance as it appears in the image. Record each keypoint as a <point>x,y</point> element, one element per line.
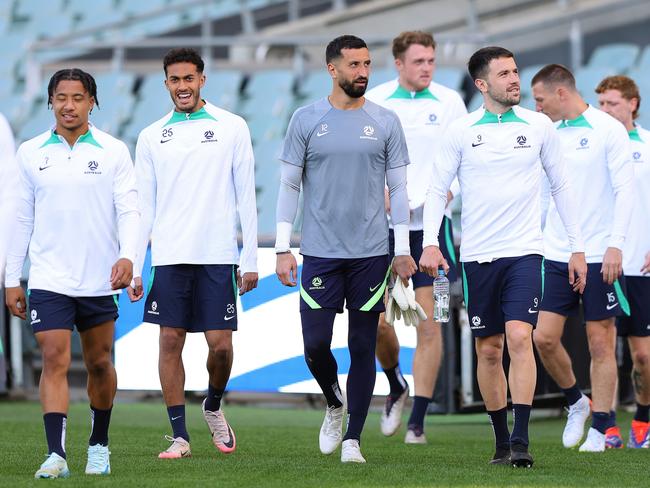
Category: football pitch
<point>279,447</point>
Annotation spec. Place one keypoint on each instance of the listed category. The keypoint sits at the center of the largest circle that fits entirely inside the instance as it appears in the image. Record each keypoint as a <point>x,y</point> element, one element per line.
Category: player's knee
<point>640,359</point>
<point>519,340</point>
<point>545,343</point>
<point>171,341</point>
<point>489,353</point>
<point>429,333</point>
<point>361,347</point>
<point>56,360</point>
<point>221,350</point>
<point>600,349</point>
<point>315,347</point>
<point>99,366</point>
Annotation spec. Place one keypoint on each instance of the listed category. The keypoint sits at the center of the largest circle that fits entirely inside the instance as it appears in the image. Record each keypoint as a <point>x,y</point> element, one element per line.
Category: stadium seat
<point>317,84</point>
<point>449,77</point>
<point>644,60</point>
<point>222,88</point>
<point>381,75</point>
<point>475,102</point>
<point>269,83</point>
<point>618,57</point>
<point>587,80</point>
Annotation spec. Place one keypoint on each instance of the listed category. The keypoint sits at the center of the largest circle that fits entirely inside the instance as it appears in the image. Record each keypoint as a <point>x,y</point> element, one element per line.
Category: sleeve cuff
<point>402,242</point>
<point>617,242</point>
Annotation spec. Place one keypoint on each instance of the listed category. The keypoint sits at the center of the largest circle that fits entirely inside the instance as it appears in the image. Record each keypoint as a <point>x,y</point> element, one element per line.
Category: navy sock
<point>419,410</point>
<point>362,339</point>
<point>600,421</point>
<point>612,419</point>
<point>213,400</point>
<point>499,421</point>
<point>396,380</point>
<point>176,415</point>
<point>521,414</point>
<point>642,413</point>
<point>55,426</point>
<point>100,421</point>
<point>572,394</point>
<point>317,326</point>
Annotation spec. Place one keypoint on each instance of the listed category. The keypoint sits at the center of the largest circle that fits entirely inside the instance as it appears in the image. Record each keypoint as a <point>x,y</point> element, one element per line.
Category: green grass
<point>278,447</point>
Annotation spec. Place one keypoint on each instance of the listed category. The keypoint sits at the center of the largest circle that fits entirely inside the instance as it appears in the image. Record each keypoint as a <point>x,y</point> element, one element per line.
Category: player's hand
<point>450,197</point>
<point>646,265</point>
<point>286,268</point>
<point>612,265</point>
<point>431,260</point>
<point>387,200</point>
<point>15,298</point>
<point>404,267</point>
<point>247,282</point>
<point>578,272</point>
<point>135,292</point>
<point>121,274</point>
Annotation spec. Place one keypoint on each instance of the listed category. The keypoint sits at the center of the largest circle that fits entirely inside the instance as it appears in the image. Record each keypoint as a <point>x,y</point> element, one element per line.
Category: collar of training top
<point>579,121</point>
<point>634,135</point>
<point>176,117</point>
<point>505,117</point>
<point>402,92</point>
<point>86,138</point>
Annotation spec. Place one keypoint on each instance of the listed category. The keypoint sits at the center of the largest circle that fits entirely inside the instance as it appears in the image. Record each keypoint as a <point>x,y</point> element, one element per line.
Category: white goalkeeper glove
<point>401,302</point>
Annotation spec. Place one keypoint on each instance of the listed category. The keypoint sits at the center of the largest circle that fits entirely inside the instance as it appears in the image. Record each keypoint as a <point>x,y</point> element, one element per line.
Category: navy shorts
<point>49,310</point>
<point>637,324</point>
<point>446,247</point>
<point>329,282</point>
<point>600,301</point>
<point>500,291</point>
<point>194,297</point>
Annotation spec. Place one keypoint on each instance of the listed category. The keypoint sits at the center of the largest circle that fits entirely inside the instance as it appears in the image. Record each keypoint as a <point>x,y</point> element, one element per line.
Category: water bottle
<point>441,297</point>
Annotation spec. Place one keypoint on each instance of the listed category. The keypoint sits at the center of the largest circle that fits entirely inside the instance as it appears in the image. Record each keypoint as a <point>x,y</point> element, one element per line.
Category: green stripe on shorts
<point>622,299</point>
<point>450,243</point>
<point>465,290</point>
<point>151,276</point>
<point>234,282</point>
<point>117,301</point>
<point>308,300</point>
<point>543,276</point>
<point>378,294</point>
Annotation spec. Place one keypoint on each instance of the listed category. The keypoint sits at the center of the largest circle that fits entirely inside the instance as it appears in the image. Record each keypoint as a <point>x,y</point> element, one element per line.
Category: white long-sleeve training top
<point>497,160</point>
<point>596,149</point>
<point>77,213</point>
<point>195,172</point>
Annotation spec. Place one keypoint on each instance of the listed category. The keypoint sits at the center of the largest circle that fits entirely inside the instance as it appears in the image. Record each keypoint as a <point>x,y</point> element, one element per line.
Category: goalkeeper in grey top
<point>344,150</point>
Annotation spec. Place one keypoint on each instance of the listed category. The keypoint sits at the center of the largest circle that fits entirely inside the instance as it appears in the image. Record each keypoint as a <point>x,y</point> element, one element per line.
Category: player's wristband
<point>283,237</point>
<point>402,244</point>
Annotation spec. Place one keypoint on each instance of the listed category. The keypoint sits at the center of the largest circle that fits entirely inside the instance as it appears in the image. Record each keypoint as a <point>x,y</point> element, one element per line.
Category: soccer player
<point>8,196</point>
<point>596,149</point>
<point>619,97</point>
<point>343,149</point>
<point>77,213</point>
<point>496,153</point>
<point>425,109</point>
<point>195,173</point>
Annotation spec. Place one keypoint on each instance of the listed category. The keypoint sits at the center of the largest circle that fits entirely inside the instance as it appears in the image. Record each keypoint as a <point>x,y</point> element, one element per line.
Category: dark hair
<point>555,74</point>
<point>480,60</point>
<point>335,46</point>
<point>183,55</point>
<point>406,39</point>
<point>72,74</point>
<point>625,85</point>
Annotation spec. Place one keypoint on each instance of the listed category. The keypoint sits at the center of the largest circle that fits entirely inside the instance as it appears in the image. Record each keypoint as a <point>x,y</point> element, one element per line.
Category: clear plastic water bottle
<point>441,298</point>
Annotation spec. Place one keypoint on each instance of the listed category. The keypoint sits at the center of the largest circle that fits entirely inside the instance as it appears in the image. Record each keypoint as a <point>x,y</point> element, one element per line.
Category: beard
<point>351,90</point>
<point>507,98</point>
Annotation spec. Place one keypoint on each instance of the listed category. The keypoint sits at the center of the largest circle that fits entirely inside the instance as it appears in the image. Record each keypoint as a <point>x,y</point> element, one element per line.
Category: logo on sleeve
<point>92,168</point>
<point>208,136</point>
<point>323,131</point>
<point>369,133</point>
<point>521,141</point>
